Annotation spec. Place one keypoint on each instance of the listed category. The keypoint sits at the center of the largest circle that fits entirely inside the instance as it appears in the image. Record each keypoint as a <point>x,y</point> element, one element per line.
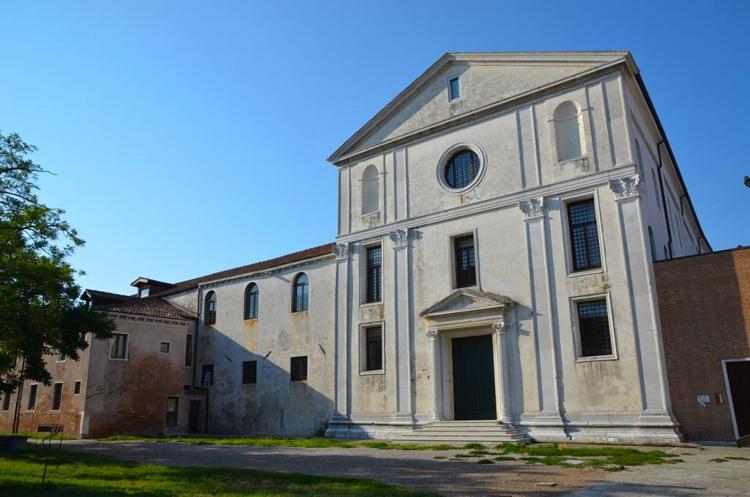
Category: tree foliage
<point>40,310</point>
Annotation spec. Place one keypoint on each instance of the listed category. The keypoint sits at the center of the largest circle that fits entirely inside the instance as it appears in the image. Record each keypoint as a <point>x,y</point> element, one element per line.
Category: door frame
<point>729,393</point>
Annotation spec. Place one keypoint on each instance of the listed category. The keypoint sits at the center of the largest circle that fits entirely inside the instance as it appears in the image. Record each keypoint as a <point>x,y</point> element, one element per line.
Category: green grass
<point>72,474</point>
<point>312,442</point>
<point>719,459</point>
<point>737,458</point>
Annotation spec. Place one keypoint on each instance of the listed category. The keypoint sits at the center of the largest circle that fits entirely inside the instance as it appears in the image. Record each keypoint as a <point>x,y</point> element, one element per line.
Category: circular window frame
<point>448,154</point>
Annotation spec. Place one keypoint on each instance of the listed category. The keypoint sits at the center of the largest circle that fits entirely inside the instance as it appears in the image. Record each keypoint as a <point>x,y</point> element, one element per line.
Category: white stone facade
<point>517,113</point>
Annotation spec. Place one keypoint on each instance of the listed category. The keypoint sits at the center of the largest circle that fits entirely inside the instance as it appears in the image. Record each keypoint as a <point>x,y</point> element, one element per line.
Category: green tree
<point>40,310</point>
<point>747,181</point>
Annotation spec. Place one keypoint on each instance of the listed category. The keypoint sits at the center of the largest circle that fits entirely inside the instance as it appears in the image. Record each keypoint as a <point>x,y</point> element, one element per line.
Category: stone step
<point>461,439</point>
<point>463,432</point>
<point>472,429</point>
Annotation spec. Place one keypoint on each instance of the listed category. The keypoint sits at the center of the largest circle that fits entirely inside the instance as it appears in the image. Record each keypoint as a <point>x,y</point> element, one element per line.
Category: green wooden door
<point>473,378</point>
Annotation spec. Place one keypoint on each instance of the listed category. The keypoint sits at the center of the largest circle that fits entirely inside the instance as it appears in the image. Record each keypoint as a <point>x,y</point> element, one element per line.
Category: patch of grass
<point>485,461</point>
<point>737,458</point>
<point>440,457</point>
<point>311,442</point>
<point>474,446</point>
<point>505,458</point>
<point>72,474</point>
<point>719,459</point>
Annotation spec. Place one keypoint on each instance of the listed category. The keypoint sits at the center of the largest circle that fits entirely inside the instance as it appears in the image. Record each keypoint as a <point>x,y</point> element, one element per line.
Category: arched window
<point>567,120</point>
<point>252,296</point>
<point>209,308</point>
<point>370,190</point>
<point>462,168</point>
<point>300,292</point>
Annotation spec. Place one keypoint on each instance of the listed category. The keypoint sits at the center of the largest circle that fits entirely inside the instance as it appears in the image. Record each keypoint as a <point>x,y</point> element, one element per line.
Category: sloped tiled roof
<point>155,307</point>
<point>302,255</point>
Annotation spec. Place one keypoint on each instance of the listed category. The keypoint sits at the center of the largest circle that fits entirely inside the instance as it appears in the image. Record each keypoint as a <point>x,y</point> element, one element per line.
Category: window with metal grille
<point>584,238</point>
<point>77,387</point>
<point>454,90</point>
<point>164,347</point>
<point>463,249</point>
<point>461,169</point>
<point>57,396</point>
<point>189,350</point>
<point>373,336</point>
<point>300,292</point>
<point>173,408</point>
<point>252,296</point>
<point>31,405</point>
<point>374,274</point>
<point>207,375</point>
<point>210,308</point>
<point>593,323</point>
<point>118,348</point>
<point>249,372</point>
<point>6,401</point>
<point>298,368</point>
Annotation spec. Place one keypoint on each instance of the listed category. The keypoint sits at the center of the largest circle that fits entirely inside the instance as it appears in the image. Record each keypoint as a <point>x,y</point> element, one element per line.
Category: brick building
<point>704,302</point>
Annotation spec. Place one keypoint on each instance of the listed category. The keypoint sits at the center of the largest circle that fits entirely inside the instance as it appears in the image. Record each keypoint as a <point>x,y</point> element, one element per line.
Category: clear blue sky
<point>190,137</point>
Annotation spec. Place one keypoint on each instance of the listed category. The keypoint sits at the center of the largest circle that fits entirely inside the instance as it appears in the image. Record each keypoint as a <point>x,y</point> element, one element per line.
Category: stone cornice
<point>149,319</point>
<point>255,274</point>
<point>511,200</point>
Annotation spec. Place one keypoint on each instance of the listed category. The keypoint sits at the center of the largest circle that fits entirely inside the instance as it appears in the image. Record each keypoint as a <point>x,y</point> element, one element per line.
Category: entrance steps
<point>463,432</point>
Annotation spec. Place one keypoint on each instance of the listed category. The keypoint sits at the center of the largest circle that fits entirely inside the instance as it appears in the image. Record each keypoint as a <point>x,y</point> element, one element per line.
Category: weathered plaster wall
<point>275,405</point>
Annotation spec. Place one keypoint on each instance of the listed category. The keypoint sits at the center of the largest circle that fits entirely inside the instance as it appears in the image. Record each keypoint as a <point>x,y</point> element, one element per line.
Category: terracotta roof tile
<point>155,307</point>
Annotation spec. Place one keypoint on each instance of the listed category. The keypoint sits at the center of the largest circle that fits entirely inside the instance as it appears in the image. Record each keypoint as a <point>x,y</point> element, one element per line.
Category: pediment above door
<point>467,307</point>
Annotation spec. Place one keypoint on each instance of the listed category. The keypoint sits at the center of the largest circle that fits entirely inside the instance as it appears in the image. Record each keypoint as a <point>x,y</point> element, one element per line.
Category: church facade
<point>493,270</point>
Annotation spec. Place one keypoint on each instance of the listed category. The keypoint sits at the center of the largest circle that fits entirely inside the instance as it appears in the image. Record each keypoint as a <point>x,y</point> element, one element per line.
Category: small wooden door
<point>473,378</point>
<point>194,416</point>
<point>738,377</point>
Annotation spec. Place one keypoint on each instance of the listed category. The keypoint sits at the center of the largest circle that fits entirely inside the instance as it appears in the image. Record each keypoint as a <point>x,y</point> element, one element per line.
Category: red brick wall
<point>704,303</point>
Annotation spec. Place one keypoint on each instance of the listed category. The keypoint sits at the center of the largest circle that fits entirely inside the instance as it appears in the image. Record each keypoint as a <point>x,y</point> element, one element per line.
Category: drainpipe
<point>663,199</point>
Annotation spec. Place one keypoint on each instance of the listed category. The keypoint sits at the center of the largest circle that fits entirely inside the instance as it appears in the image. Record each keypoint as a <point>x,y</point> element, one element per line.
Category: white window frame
<point>127,346</point>
<point>729,392</point>
<point>62,392</point>
<point>363,248</point>
<point>169,347</point>
<point>452,251</point>
<point>36,397</point>
<point>567,244</point>
<point>574,301</point>
<point>57,357</point>
<point>448,80</point>
<point>363,348</point>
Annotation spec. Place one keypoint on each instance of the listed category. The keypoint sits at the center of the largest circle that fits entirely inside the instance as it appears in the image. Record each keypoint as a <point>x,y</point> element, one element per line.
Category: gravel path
<point>415,469</point>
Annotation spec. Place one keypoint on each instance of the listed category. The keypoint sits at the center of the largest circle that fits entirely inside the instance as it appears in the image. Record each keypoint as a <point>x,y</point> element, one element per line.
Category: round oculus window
<point>461,169</point>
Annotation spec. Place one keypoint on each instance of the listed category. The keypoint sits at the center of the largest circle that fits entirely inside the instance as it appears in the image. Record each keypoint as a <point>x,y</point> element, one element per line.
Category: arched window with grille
<point>252,301</point>
<point>567,119</point>
<point>209,309</point>
<point>370,190</point>
<point>300,293</point>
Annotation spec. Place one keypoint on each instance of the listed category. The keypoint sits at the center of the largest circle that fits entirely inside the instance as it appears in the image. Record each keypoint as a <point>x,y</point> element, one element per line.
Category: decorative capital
<point>625,188</point>
<point>532,208</point>
<point>341,250</point>
<point>499,326</point>
<point>400,237</point>
<point>432,334</point>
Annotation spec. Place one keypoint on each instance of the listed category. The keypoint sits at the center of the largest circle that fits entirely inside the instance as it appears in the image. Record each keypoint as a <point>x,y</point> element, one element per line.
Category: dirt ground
<point>698,475</point>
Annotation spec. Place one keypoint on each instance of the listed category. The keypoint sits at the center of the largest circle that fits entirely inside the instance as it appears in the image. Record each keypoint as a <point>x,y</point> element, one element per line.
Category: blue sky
<point>189,137</point>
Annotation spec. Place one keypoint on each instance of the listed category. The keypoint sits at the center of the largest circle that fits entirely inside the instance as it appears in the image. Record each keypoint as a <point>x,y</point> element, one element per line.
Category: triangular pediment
<point>485,79</point>
<point>467,301</point>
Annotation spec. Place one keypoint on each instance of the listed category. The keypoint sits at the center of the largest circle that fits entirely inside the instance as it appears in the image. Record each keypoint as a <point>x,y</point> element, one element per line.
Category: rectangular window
<point>118,348</point>
<point>593,324</point>
<point>207,375</point>
<point>189,350</point>
<point>164,347</point>
<point>6,401</point>
<point>465,263</point>
<point>173,406</point>
<point>374,274</point>
<point>584,238</point>
<point>57,396</point>
<point>77,387</point>
<point>249,372</point>
<point>298,368</point>
<point>454,90</point>
<point>31,405</point>
<point>373,336</point>
<point>61,357</point>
